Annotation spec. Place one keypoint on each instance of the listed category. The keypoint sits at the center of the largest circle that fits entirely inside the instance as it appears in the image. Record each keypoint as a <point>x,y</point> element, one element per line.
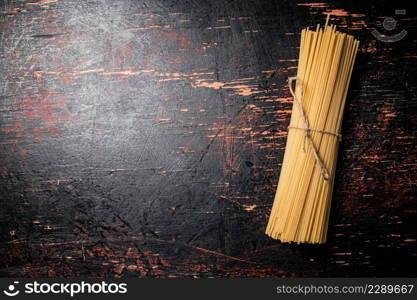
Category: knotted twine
<point>299,105</point>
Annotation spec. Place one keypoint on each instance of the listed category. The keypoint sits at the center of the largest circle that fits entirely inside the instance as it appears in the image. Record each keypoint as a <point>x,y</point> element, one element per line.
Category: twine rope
<point>306,128</point>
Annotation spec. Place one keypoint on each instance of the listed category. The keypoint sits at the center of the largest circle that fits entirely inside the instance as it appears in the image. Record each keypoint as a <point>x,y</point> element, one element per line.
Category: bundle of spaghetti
<point>300,212</point>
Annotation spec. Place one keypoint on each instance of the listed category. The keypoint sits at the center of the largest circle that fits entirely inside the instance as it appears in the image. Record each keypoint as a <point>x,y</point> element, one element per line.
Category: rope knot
<point>306,128</point>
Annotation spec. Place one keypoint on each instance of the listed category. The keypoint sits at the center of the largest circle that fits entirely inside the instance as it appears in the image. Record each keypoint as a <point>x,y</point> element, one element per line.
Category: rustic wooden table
<point>145,138</point>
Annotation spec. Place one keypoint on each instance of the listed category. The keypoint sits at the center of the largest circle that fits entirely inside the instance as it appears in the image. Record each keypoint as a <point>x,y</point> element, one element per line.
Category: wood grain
<point>145,138</point>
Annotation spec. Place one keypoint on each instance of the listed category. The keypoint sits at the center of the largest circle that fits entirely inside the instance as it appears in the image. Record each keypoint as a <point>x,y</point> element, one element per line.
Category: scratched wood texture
<point>145,139</point>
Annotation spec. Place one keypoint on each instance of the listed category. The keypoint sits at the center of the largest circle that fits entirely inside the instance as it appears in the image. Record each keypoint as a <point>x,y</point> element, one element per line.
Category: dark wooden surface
<point>145,138</point>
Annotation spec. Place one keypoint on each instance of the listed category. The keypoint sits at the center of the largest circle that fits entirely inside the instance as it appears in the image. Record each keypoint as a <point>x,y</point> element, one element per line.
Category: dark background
<point>145,138</point>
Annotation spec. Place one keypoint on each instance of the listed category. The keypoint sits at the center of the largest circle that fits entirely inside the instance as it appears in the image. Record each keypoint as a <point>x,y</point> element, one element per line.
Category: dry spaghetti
<point>300,212</point>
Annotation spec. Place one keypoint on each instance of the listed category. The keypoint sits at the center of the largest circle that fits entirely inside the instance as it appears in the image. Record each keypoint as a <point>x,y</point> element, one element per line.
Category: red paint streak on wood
<point>384,118</point>
<point>337,12</point>
<point>127,73</point>
<point>46,114</point>
<point>41,2</point>
<point>342,13</point>
<point>182,40</point>
<point>237,86</point>
<point>314,4</point>
<point>39,131</point>
<point>38,75</point>
<point>67,79</point>
<point>48,110</point>
<point>17,128</point>
<point>148,27</point>
<point>213,85</point>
